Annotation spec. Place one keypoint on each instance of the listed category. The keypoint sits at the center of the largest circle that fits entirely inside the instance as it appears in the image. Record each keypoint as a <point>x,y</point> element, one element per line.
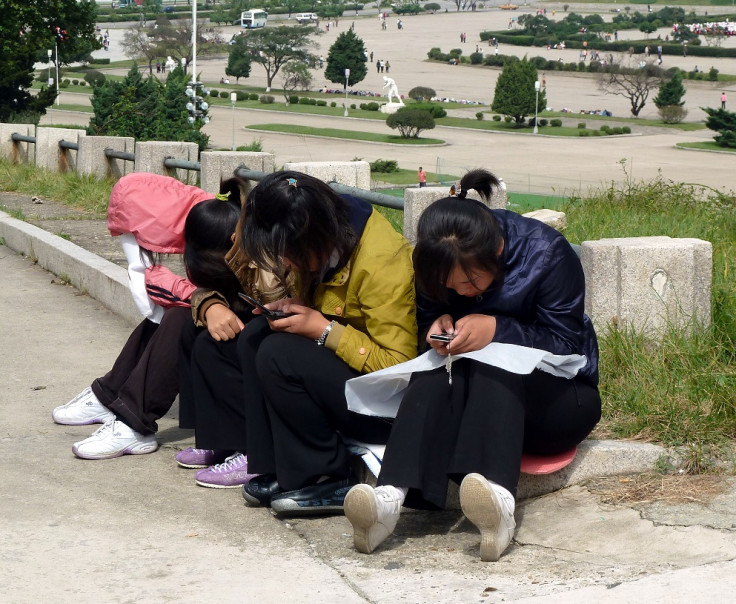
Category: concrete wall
<point>91,158</point>
<point>17,152</point>
<point>150,156</point>
<point>220,165</point>
<point>48,153</point>
<point>350,173</point>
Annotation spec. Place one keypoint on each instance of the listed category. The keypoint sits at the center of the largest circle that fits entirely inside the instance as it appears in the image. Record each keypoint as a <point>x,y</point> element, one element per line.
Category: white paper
<point>380,393</point>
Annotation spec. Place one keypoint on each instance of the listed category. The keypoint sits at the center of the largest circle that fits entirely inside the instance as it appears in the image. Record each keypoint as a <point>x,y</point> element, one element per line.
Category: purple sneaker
<point>201,458</point>
<point>230,474</point>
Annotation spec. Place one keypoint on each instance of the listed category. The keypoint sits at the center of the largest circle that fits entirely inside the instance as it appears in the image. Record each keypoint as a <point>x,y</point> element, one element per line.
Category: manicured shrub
<point>583,133</point>
<point>293,99</point>
<point>605,128</point>
<point>352,106</point>
<point>420,93</point>
<point>476,58</point>
<point>333,104</point>
<point>266,99</point>
<point>508,119</point>
<point>496,118</point>
<point>372,106</point>
<point>64,84</point>
<point>555,123</point>
<point>479,116</point>
<point>75,82</point>
<point>321,103</point>
<point>543,122</point>
<point>241,96</point>
<point>385,166</point>
<point>214,93</point>
<point>95,78</point>
<point>626,130</point>
<point>224,94</point>
<point>253,96</point>
<point>581,125</point>
<point>304,100</point>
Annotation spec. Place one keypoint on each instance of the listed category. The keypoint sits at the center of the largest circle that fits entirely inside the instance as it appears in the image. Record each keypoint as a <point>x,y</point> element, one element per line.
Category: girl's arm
<point>168,289</point>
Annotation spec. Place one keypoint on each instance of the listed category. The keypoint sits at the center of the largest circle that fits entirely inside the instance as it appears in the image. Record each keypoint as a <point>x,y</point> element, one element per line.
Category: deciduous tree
<point>633,83</point>
<point>274,47</point>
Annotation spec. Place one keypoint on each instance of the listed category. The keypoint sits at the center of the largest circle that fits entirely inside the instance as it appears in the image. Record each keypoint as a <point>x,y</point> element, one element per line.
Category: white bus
<point>250,19</point>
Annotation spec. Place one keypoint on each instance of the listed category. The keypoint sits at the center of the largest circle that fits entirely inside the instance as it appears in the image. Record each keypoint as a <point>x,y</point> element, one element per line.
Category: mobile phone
<point>442,337</point>
<point>267,312</point>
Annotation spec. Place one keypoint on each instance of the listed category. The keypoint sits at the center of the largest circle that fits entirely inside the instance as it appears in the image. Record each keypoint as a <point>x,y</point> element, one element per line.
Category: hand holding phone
<point>266,312</point>
<point>442,337</point>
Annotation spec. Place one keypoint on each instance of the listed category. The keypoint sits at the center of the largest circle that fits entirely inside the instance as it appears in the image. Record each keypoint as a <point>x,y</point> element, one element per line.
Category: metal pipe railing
<point>126,155</point>
<point>379,199</point>
<point>182,164</point>
<point>69,145</point>
<point>22,138</point>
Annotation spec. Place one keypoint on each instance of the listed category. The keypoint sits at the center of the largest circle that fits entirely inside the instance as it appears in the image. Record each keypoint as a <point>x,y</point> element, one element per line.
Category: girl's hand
<point>222,323</point>
<point>442,324</point>
<point>473,332</point>
<point>303,321</point>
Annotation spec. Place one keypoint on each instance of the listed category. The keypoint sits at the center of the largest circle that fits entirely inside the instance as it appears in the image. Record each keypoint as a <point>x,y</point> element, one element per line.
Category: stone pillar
<point>150,156</point>
<point>557,220</point>
<point>416,200</point>
<point>351,173</point>
<point>220,165</point>
<point>17,152</point>
<point>648,283</point>
<point>91,158</point>
<point>48,153</point>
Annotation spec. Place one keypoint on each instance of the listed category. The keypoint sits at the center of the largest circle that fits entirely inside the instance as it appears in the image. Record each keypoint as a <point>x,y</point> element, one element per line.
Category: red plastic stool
<point>546,464</point>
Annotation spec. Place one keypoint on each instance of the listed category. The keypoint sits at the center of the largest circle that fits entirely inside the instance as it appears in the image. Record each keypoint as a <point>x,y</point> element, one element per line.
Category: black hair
<point>456,231</point>
<point>296,216</point>
<point>208,232</point>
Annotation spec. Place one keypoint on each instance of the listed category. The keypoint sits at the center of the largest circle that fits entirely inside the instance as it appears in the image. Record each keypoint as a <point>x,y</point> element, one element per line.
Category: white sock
<point>392,492</point>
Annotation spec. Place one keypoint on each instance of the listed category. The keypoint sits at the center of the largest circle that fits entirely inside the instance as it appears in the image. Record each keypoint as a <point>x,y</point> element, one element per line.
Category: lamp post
<point>50,53</point>
<point>56,47</point>
<point>233,98</point>
<point>536,105</point>
<point>347,77</point>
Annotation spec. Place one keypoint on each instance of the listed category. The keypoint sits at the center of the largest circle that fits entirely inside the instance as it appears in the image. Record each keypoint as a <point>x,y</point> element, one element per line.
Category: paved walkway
<point>139,529</point>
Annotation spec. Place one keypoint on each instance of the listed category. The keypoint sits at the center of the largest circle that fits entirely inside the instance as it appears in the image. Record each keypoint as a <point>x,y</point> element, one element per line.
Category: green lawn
<point>345,134</point>
<point>409,177</point>
<point>709,146</point>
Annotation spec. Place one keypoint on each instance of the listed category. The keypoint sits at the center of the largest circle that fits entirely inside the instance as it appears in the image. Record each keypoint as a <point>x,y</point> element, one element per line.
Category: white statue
<point>393,91</point>
<point>170,63</point>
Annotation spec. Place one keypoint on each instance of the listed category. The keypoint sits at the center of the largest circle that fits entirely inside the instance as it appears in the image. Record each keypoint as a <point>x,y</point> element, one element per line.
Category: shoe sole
<point>361,511</point>
<point>86,422</point>
<point>254,502</point>
<point>289,507</point>
<point>192,466</point>
<point>482,508</point>
<point>139,450</point>
<point>209,485</point>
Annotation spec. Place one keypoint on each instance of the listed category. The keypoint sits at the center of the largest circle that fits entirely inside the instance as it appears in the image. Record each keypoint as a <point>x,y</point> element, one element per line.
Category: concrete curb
<point>86,271</point>
<point>108,283</point>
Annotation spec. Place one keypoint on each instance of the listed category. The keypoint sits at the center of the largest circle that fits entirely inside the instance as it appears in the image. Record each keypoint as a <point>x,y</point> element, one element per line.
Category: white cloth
<point>137,265</point>
<point>380,393</point>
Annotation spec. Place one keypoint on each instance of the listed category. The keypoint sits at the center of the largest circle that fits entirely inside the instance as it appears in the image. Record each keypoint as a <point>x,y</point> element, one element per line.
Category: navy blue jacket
<point>539,302</point>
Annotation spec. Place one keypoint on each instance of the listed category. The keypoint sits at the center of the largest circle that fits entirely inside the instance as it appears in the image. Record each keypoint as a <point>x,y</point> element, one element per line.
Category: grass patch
<point>679,391</point>
<point>409,177</point>
<point>490,125</point>
<point>79,108</point>
<point>528,202</point>
<point>708,146</point>
<point>345,134</point>
<point>85,193</point>
<point>636,121</point>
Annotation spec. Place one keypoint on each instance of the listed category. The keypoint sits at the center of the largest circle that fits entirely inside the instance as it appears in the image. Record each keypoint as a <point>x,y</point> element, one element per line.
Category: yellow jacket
<point>372,301</point>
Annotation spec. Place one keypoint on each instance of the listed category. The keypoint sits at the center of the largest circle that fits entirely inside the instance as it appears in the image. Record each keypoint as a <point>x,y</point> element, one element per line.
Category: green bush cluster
<point>94,78</point>
<point>420,93</point>
<point>555,123</point>
<point>496,118</point>
<point>372,106</point>
<point>64,84</point>
<point>266,99</point>
<point>607,130</point>
<point>321,103</point>
<point>385,166</point>
<point>293,99</point>
<point>214,93</point>
<point>307,100</point>
<point>253,96</point>
<point>479,116</point>
<point>435,110</point>
<point>241,96</point>
<point>225,95</point>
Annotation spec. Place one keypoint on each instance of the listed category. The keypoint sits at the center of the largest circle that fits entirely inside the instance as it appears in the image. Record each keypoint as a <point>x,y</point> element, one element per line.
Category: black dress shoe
<point>323,498</point>
<point>260,490</point>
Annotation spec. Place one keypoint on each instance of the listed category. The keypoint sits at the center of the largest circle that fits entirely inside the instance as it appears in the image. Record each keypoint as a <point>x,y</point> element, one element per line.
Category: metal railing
<point>22,138</point>
<point>379,199</point>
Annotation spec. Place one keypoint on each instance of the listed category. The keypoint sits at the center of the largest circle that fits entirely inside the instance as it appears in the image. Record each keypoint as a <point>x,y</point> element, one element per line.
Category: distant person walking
<point>422,177</point>
<point>724,98</point>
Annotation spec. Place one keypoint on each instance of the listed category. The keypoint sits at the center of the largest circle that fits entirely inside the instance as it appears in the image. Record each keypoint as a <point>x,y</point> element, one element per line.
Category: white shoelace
<point>234,462</point>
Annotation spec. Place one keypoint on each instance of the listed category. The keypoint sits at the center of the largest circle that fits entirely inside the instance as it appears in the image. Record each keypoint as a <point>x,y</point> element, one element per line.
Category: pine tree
<point>671,91</point>
<point>238,61</point>
<point>348,52</point>
<point>515,94</point>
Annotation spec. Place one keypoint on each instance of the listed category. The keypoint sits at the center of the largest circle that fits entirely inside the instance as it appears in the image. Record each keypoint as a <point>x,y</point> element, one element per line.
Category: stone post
<point>48,153</point>
<point>150,156</point>
<point>220,165</point>
<point>17,152</point>
<point>91,158</point>
<point>351,173</point>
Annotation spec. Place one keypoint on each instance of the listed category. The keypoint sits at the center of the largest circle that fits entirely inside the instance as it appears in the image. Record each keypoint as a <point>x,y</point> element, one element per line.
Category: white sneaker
<point>373,514</point>
<point>490,507</point>
<point>113,440</point>
<point>83,409</point>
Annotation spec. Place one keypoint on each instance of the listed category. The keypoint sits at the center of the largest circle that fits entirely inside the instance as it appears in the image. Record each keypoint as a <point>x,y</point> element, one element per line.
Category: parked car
<point>302,18</point>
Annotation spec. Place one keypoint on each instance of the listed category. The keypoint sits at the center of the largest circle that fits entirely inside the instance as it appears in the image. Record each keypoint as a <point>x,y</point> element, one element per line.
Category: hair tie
<point>291,182</point>
<point>453,191</point>
<point>222,196</point>
<point>462,193</point>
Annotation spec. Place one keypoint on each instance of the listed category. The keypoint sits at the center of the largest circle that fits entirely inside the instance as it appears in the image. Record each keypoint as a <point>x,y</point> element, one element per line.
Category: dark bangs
<point>295,216</point>
<point>455,232</point>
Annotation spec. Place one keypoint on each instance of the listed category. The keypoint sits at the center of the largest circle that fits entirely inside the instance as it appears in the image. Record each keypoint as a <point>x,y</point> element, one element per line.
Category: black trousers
<point>481,423</point>
<point>296,409</point>
<point>143,382</point>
